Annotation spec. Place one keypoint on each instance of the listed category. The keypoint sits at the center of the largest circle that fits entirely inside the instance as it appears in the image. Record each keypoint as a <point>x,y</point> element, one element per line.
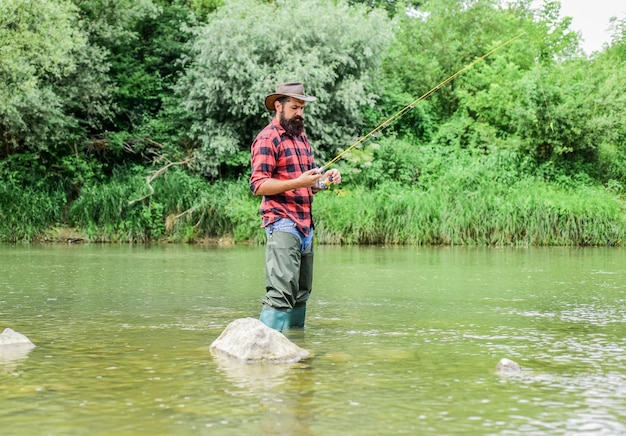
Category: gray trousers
<point>288,271</point>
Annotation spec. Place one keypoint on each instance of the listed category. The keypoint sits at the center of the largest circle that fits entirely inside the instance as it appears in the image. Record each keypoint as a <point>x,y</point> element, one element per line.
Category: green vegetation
<point>132,120</point>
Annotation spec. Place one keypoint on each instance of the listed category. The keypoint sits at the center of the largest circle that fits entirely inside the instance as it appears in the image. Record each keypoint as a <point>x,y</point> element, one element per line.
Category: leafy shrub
<point>240,55</point>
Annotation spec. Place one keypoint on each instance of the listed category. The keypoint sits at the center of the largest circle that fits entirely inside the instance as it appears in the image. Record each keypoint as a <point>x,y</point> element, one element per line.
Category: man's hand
<point>330,177</point>
<point>307,179</point>
<point>333,176</point>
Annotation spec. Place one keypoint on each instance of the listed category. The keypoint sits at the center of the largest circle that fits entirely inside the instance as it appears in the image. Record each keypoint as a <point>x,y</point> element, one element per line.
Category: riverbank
<point>428,198</point>
<point>71,235</point>
<point>523,214</point>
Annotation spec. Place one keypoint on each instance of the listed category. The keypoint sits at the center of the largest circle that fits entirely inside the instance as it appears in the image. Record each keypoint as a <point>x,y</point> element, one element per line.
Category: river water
<point>405,340</point>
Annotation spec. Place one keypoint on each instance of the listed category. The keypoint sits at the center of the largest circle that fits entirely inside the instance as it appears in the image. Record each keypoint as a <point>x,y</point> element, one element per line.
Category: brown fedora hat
<point>293,89</point>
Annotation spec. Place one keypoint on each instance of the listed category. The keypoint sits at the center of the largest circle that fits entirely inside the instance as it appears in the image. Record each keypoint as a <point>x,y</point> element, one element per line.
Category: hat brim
<point>270,99</point>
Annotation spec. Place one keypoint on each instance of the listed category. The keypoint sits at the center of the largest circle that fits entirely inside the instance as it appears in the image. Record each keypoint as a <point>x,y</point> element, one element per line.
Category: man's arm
<point>275,186</point>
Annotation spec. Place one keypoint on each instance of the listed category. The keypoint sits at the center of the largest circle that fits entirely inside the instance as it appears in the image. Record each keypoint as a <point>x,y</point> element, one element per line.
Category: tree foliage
<point>94,94</point>
<point>607,101</point>
<point>393,7</point>
<point>42,53</point>
<point>537,96</point>
<point>247,47</point>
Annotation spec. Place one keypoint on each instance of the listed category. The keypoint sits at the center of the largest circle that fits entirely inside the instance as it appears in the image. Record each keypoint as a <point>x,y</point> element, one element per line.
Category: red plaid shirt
<point>274,154</point>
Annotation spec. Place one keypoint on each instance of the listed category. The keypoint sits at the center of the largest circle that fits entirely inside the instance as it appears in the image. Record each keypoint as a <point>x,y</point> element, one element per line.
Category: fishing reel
<point>323,182</point>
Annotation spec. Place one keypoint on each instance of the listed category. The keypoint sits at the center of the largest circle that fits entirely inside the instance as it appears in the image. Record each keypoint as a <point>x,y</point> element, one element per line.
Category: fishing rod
<point>410,106</point>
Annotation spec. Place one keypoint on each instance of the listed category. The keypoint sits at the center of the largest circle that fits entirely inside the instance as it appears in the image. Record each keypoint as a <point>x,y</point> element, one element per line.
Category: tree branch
<point>154,175</point>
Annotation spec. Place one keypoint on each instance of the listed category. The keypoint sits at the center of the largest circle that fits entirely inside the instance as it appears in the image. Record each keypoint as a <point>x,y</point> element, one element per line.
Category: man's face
<point>291,116</point>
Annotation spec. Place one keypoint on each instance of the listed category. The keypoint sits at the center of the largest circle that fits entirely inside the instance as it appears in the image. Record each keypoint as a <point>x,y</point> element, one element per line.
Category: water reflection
<point>12,355</point>
<point>284,393</point>
<point>253,378</point>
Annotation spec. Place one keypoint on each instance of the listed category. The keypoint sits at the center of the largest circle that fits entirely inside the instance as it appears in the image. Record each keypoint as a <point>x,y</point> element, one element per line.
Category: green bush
<point>27,212</point>
<point>336,50</point>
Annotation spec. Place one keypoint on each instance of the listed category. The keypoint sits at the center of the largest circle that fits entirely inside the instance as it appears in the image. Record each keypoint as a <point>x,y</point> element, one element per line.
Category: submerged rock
<point>508,367</point>
<point>249,340</point>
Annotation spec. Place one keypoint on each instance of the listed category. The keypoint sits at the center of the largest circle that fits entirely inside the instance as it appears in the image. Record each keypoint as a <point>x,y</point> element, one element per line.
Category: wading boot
<point>274,318</point>
<point>296,317</point>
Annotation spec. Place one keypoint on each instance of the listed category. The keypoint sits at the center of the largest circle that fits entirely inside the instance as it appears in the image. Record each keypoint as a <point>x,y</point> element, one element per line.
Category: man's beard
<point>293,126</point>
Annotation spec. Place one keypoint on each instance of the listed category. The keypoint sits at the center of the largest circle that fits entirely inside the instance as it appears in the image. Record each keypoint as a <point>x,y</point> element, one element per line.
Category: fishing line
<point>417,100</point>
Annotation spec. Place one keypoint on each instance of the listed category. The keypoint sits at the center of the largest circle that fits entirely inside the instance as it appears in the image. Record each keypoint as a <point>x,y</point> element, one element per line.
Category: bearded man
<point>285,174</point>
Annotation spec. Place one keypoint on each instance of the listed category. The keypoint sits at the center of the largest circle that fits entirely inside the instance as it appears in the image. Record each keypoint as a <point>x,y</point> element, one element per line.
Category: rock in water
<point>13,346</point>
<point>11,337</point>
<point>507,367</point>
<point>249,340</point>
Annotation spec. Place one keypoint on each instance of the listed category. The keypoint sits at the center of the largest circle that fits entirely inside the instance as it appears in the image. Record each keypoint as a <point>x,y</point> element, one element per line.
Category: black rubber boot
<point>296,317</point>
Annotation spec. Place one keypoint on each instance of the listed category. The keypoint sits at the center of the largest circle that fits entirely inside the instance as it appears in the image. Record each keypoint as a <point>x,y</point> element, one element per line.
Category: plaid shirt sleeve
<point>276,155</point>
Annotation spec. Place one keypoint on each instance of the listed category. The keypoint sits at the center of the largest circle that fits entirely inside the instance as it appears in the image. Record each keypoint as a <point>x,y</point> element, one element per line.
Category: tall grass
<point>103,211</point>
<point>214,210</point>
<point>422,194</point>
<point>527,213</point>
<point>26,212</point>
<point>431,198</point>
<point>175,207</point>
